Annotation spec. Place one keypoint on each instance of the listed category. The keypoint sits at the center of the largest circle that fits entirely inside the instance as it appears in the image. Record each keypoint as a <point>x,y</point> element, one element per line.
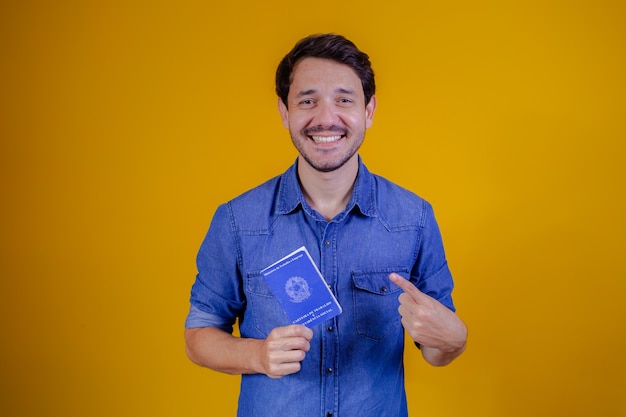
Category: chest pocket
<point>376,302</point>
<point>264,308</point>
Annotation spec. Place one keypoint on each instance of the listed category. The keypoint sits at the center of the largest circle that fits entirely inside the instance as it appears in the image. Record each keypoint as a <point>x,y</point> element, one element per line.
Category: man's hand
<point>278,355</point>
<point>436,328</point>
<point>284,349</point>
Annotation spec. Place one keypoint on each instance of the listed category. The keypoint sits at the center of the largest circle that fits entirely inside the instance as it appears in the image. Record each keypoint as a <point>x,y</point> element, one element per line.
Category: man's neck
<point>328,192</point>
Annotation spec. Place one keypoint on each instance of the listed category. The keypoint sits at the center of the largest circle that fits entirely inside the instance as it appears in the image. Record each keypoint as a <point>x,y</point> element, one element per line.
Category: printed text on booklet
<point>301,289</point>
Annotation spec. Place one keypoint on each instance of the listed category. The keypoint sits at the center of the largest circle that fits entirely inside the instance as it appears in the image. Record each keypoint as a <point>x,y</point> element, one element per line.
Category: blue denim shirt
<point>355,365</point>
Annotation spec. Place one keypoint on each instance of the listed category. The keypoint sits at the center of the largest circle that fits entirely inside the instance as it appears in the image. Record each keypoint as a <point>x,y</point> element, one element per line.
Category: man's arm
<point>441,333</point>
<point>278,355</point>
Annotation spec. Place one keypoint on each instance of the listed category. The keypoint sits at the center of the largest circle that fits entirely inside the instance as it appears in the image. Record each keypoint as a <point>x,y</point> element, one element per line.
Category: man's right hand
<point>278,355</point>
<point>284,349</point>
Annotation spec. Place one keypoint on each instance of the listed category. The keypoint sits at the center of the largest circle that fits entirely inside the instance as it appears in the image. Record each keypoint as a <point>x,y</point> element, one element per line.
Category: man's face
<point>326,115</point>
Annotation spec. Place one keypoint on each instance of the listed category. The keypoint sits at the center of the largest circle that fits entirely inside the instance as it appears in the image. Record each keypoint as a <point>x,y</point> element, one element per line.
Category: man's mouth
<point>325,139</point>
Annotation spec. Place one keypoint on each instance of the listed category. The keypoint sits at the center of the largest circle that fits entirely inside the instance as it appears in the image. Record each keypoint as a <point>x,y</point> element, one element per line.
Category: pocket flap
<point>377,281</point>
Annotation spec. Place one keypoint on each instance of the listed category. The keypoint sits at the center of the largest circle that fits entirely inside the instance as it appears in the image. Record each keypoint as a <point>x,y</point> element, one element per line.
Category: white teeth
<point>325,139</point>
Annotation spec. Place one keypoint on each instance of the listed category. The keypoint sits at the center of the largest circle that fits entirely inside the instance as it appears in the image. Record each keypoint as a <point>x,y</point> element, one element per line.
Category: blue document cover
<point>301,289</point>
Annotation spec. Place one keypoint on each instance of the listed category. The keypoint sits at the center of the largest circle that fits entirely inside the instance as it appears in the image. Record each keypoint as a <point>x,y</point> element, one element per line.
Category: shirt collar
<point>363,197</point>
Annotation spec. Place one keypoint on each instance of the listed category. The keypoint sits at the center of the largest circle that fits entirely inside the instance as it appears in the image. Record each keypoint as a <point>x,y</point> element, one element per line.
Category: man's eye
<point>307,102</point>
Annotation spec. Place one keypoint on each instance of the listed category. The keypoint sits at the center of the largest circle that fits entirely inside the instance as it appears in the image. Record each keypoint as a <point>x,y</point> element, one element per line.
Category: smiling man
<point>377,245</point>
<point>326,113</point>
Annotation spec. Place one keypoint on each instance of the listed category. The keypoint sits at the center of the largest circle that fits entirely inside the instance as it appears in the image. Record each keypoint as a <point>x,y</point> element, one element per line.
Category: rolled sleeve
<point>217,296</point>
<point>198,318</point>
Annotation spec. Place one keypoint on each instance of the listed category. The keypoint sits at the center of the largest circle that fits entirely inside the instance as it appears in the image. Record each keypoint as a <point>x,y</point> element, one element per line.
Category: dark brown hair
<point>329,46</point>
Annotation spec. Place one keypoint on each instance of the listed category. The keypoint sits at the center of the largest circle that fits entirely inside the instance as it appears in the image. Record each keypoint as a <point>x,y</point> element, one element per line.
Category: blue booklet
<point>301,289</point>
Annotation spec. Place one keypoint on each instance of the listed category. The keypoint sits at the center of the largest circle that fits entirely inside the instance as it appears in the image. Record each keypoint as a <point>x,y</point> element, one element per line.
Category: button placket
<point>329,337</point>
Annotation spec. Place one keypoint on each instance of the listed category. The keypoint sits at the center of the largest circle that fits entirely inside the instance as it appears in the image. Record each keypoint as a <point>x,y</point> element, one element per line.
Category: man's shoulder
<point>388,189</point>
<point>256,207</point>
<point>264,191</point>
<point>397,203</point>
<point>261,195</point>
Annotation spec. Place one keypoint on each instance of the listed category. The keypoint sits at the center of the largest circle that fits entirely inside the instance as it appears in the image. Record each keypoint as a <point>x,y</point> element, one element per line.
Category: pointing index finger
<point>406,286</point>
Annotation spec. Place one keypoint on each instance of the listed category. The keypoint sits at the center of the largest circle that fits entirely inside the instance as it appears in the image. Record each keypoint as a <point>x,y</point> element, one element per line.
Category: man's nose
<point>326,114</point>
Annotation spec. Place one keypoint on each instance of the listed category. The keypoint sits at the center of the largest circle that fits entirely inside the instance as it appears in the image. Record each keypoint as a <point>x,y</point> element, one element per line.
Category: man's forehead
<point>311,69</point>
<point>310,61</point>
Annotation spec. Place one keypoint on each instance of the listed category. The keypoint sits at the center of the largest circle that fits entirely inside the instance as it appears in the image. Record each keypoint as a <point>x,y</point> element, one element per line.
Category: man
<point>377,245</point>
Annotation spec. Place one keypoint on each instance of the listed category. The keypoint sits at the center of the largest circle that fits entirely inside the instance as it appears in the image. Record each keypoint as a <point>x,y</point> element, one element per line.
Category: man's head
<point>327,46</point>
<point>326,89</point>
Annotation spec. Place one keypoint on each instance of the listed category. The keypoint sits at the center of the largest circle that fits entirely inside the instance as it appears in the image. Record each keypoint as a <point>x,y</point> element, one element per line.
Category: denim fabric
<point>355,365</point>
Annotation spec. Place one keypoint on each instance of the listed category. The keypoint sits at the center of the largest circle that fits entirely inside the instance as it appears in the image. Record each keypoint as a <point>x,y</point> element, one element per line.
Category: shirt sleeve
<point>431,272</point>
<point>217,297</point>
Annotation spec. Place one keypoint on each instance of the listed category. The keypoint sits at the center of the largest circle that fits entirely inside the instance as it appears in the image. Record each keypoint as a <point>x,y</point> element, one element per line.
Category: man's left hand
<point>439,331</point>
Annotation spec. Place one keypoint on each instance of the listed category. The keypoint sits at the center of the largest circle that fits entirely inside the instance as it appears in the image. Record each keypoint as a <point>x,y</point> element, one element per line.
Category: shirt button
<point>383,289</point>
<point>329,414</point>
<point>330,328</point>
<point>329,370</point>
<point>327,243</point>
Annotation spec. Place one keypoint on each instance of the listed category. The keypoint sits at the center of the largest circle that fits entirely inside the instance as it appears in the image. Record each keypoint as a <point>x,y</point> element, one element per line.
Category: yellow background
<point>123,124</point>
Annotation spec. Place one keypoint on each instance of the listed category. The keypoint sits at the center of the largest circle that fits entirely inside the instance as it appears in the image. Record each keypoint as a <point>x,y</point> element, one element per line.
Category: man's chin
<point>326,166</point>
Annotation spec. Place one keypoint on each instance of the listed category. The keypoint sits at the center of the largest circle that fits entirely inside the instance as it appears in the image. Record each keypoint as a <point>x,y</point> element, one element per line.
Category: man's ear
<point>284,113</point>
<point>369,112</point>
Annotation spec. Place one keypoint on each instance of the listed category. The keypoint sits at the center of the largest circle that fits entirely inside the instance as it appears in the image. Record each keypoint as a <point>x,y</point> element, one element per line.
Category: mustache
<point>318,129</point>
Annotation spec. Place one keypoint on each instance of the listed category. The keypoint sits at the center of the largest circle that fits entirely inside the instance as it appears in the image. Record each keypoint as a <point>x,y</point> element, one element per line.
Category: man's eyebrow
<point>344,91</point>
<point>306,92</point>
<point>339,90</point>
